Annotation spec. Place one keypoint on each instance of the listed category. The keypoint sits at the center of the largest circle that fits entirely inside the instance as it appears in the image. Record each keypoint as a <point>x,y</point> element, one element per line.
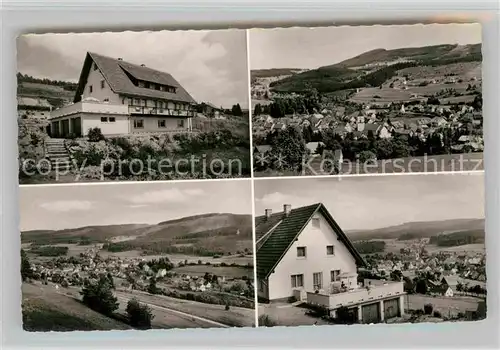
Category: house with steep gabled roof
<point>303,254</point>
<point>120,97</point>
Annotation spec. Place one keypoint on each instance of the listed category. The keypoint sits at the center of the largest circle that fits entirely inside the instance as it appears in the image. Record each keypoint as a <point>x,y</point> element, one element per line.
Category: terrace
<point>369,291</point>
<point>89,107</point>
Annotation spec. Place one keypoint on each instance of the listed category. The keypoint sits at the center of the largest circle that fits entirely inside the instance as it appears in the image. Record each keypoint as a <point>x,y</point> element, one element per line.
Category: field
<point>236,316</point>
<point>467,248</point>
<point>226,271</point>
<point>447,306</point>
<point>387,94</point>
<point>45,309</point>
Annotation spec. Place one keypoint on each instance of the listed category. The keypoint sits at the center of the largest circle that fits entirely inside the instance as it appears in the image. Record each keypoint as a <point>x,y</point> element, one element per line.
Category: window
<point>123,100</point>
<point>161,123</point>
<point>297,281</point>
<point>102,84</point>
<point>316,222</point>
<point>335,275</point>
<point>139,123</point>
<point>317,280</point>
<point>144,103</point>
<point>112,119</point>
<point>301,252</point>
<point>180,123</point>
<point>90,89</point>
<point>104,119</point>
<point>330,250</point>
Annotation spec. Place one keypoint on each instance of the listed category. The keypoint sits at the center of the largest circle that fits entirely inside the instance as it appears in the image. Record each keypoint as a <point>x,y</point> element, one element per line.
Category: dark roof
<point>115,73</point>
<point>277,243</point>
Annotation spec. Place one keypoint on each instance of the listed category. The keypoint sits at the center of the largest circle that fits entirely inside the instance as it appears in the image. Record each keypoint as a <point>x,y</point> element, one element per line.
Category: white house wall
<point>119,126</point>
<point>151,124</point>
<point>315,240</point>
<point>94,78</point>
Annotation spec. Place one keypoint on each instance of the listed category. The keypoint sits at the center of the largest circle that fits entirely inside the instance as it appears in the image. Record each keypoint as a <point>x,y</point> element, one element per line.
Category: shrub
<point>428,309</point>
<point>26,272</point>
<point>99,297</point>
<point>139,315</point>
<point>437,314</point>
<point>227,307</point>
<point>95,135</point>
<point>266,321</point>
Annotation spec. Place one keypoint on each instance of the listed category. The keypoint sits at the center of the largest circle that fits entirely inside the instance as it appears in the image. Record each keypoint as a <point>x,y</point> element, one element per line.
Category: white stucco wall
<point>316,240</point>
<point>151,124</point>
<point>118,127</point>
<point>95,77</point>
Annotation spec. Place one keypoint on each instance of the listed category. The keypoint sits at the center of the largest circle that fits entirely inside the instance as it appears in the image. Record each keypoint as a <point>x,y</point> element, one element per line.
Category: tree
<point>257,110</point>
<point>152,288</point>
<point>95,135</point>
<point>288,149</point>
<point>99,296</point>
<point>236,110</point>
<point>408,286</point>
<point>139,315</point>
<point>365,156</point>
<point>26,271</point>
<point>111,280</point>
<point>421,286</point>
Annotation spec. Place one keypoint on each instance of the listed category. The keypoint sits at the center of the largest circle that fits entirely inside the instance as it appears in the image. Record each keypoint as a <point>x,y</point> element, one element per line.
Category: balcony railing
<point>89,107</point>
<point>357,295</point>
<point>160,111</point>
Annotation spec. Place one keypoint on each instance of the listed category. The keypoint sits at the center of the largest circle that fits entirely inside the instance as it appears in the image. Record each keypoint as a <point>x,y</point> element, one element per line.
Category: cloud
<point>276,199</point>
<point>66,206</point>
<point>211,65</point>
<point>165,196</point>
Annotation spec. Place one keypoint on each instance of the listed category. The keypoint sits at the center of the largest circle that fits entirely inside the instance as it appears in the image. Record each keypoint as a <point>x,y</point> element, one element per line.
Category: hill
<point>44,309</point>
<point>208,234</point>
<point>425,53</point>
<point>374,67</point>
<point>415,230</point>
<point>273,72</point>
<point>58,93</point>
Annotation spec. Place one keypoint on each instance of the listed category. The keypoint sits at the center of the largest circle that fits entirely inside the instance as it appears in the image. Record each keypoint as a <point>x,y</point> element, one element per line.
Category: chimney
<point>287,208</point>
<point>120,59</point>
<point>269,213</point>
<point>143,65</point>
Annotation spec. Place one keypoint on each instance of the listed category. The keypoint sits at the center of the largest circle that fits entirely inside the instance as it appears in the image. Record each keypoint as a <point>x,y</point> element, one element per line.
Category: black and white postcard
<point>366,99</point>
<point>137,256</point>
<point>133,106</point>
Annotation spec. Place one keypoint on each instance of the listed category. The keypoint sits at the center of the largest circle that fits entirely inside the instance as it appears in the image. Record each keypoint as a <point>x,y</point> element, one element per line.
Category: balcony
<point>89,107</point>
<point>160,111</point>
<point>376,290</point>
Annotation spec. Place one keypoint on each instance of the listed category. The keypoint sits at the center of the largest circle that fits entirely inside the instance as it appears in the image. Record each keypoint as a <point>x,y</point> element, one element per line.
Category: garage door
<point>391,308</point>
<point>371,313</point>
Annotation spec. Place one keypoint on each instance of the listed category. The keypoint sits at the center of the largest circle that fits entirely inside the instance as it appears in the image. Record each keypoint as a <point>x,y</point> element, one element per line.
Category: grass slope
<point>46,310</point>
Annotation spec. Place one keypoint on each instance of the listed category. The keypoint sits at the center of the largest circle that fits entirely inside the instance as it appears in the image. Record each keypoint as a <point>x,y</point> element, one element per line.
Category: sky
<point>307,48</point>
<point>61,207</point>
<point>211,65</point>
<point>370,202</point>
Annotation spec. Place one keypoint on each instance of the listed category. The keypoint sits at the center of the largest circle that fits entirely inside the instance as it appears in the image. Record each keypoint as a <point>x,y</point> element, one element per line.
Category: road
<point>164,317</point>
<point>123,297</point>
